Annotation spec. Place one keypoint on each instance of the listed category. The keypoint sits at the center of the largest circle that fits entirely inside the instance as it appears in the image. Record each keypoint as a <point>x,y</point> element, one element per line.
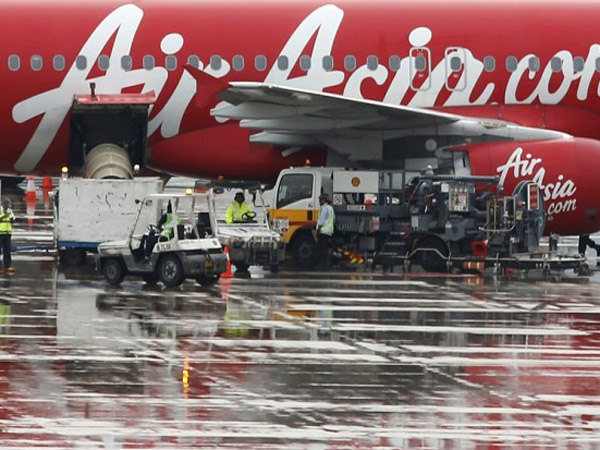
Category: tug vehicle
<point>250,240</point>
<point>164,245</point>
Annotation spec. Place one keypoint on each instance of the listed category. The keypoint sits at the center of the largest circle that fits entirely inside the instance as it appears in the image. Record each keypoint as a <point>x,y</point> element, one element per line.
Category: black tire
<point>170,271</point>
<point>304,250</point>
<point>208,281</point>
<point>72,257</point>
<point>241,268</point>
<point>11,181</point>
<point>429,260</point>
<point>150,278</point>
<point>113,271</point>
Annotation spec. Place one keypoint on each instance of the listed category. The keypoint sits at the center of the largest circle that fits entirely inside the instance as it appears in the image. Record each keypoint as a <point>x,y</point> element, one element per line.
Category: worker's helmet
<point>240,194</point>
<point>324,197</point>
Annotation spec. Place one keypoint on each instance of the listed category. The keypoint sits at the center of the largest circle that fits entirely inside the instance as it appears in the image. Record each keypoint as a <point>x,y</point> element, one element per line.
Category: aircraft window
<point>14,63</point>
<point>489,63</point>
<point>148,62</point>
<point>238,63</point>
<point>283,62</point>
<point>194,61</point>
<point>534,64</point>
<point>455,64</point>
<point>81,62</point>
<point>171,62</point>
<point>216,62</point>
<point>372,62</point>
<point>598,64</point>
<point>126,63</point>
<point>294,187</point>
<point>420,63</point>
<point>36,63</point>
<point>350,63</point>
<point>556,64</point>
<point>395,62</point>
<point>58,62</point>
<point>578,64</point>
<point>328,63</point>
<point>103,62</point>
<point>305,63</point>
<point>260,62</point>
<point>511,63</point>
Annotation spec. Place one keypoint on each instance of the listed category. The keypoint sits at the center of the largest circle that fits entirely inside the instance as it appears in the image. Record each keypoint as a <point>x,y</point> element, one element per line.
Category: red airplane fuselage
<point>52,51</point>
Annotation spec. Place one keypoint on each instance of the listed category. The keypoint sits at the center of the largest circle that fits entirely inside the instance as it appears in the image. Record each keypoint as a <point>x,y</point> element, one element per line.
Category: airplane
<point>244,89</point>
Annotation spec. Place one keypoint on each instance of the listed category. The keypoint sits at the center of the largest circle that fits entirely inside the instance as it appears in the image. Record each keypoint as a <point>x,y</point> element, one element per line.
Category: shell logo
<point>355,182</point>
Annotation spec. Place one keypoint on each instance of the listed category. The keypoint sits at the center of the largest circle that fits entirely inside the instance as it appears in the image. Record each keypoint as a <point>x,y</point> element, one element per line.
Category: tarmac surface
<point>299,360</point>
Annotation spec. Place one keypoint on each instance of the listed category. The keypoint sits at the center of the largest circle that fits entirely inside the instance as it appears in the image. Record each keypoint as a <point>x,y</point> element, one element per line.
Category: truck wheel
<point>241,270</point>
<point>207,281</point>
<point>150,278</point>
<point>72,257</point>
<point>304,250</point>
<point>11,181</point>
<point>431,261</point>
<point>113,271</point>
<point>170,271</point>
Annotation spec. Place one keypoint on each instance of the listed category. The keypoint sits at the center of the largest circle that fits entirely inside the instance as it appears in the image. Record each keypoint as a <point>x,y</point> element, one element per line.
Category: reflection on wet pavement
<point>360,361</point>
<point>295,360</point>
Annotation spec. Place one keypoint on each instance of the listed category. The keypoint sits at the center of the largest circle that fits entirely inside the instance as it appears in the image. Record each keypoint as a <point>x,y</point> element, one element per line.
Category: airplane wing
<point>355,128</point>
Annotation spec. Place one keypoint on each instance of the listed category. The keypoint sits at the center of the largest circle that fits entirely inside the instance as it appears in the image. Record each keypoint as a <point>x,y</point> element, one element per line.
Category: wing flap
<point>287,116</point>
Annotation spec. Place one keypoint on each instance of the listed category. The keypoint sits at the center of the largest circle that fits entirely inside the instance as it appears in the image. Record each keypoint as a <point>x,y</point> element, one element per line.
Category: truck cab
<point>294,208</point>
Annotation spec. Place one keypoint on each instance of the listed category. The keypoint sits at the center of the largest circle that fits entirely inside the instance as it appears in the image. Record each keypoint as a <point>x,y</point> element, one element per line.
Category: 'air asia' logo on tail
<point>558,193</point>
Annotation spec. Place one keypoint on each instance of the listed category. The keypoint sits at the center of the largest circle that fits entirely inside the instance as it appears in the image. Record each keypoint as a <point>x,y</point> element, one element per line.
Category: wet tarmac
<point>300,360</point>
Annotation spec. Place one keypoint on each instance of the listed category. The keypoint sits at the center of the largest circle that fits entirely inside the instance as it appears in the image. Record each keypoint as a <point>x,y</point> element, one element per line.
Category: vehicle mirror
<point>137,201</point>
<point>254,198</point>
<point>218,190</point>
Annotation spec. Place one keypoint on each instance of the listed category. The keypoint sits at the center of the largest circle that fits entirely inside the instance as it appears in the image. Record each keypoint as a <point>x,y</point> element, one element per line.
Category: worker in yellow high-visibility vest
<point>7,217</point>
<point>239,210</point>
<point>167,224</point>
<point>325,229</point>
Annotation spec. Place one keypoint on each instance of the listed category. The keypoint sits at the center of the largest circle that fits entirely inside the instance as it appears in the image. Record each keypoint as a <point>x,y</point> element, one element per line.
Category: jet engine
<point>108,161</point>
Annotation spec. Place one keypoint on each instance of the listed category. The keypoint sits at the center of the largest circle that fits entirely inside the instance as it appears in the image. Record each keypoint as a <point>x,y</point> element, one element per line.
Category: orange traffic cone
<point>228,273</point>
<point>47,183</point>
<point>30,194</point>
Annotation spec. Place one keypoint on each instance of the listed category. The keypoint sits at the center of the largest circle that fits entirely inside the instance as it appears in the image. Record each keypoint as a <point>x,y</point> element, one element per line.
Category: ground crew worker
<point>325,227</point>
<point>167,224</point>
<point>7,218</point>
<point>428,171</point>
<point>237,208</point>
<point>584,242</point>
